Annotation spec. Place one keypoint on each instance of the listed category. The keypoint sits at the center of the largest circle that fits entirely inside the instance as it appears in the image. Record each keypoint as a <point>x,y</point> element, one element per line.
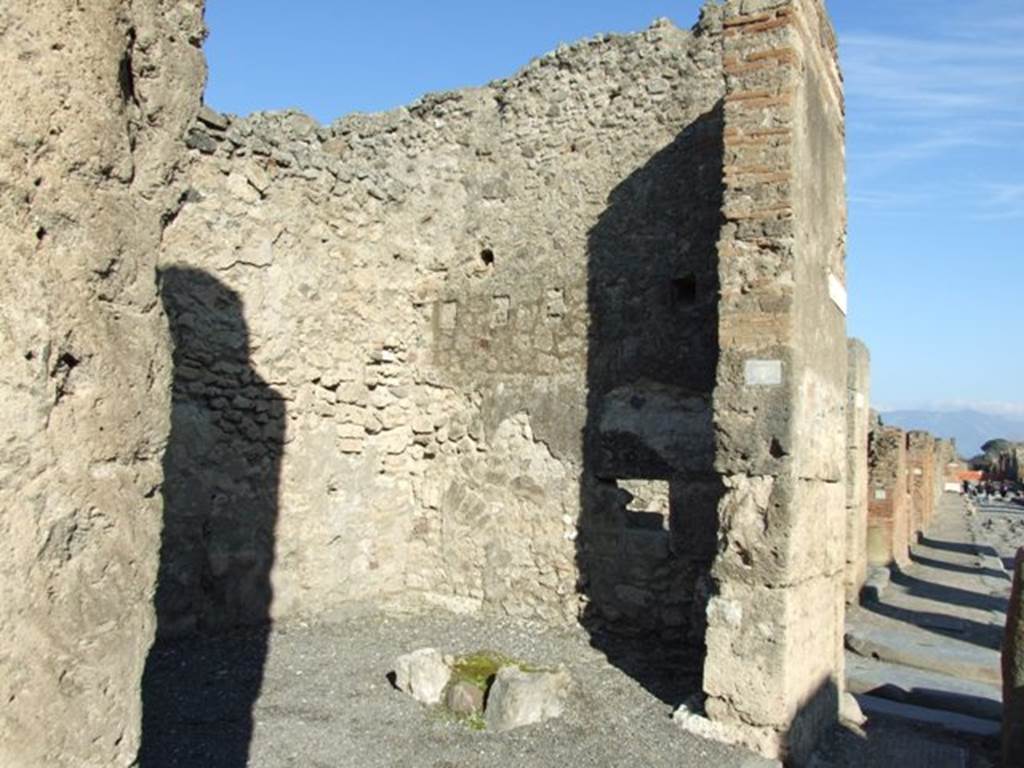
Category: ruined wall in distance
<point>947,464</point>
<point>94,102</point>
<point>888,498</point>
<point>920,482</point>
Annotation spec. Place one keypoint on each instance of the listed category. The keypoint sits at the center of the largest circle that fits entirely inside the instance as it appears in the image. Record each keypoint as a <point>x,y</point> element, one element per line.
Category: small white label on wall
<point>880,495</point>
<point>859,400</point>
<point>837,292</point>
<point>918,472</point>
<point>763,373</point>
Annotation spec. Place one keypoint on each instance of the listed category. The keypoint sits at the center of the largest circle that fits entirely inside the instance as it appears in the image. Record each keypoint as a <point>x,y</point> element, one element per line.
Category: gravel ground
<point>1000,525</point>
<point>317,696</point>
<point>325,701</point>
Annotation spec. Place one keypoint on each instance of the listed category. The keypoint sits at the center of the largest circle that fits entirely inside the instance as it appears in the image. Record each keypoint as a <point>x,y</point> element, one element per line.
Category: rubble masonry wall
<point>888,498</point>
<point>570,346</point>
<point>483,328</point>
<point>774,666</point>
<point>94,101</point>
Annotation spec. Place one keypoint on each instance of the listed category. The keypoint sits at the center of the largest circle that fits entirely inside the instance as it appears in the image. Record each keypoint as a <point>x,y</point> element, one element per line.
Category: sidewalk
<point>926,653</point>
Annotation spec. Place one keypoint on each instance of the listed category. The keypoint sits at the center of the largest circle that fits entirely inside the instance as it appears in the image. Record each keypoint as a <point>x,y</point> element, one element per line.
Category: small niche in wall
<point>487,257</point>
<point>649,504</point>
<point>684,288</point>
<point>555,304</point>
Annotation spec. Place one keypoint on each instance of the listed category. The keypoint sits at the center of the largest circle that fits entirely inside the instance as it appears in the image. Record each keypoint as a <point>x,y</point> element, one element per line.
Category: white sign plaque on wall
<point>763,373</point>
<point>837,292</point>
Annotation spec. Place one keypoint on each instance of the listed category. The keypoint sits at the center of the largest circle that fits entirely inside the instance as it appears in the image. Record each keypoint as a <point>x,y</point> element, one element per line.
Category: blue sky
<point>935,154</point>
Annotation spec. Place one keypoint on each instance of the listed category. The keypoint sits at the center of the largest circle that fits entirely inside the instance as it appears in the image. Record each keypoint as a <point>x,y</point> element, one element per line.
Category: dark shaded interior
<point>220,493</point>
<point>652,283</point>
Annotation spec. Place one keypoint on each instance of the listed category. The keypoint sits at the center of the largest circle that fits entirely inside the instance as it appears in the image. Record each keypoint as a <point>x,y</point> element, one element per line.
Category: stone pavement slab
<point>922,688</point>
<point>971,727</point>
<point>925,650</point>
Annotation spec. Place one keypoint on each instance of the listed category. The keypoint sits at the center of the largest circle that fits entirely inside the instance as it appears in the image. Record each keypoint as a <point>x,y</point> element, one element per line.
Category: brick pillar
<point>888,528</point>
<point>920,481</point>
<point>774,664</point>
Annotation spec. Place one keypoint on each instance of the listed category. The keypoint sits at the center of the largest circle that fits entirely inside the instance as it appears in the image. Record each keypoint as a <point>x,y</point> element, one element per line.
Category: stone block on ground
<point>949,722</point>
<point>877,582</point>
<point>464,699</point>
<point>518,698</point>
<point>921,687</point>
<point>423,674</point>
<point>925,650</point>
<point>850,711</point>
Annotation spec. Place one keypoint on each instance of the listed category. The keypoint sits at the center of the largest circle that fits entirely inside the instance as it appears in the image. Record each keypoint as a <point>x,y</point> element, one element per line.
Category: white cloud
<point>1004,200</point>
<point>956,86</point>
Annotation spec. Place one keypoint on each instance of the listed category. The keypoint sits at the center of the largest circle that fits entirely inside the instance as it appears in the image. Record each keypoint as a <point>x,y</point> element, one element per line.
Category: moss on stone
<point>479,668</point>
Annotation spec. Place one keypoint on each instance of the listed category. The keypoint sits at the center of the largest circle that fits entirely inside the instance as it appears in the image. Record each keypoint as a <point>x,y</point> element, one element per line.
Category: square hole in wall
<point>555,303</point>
<point>649,505</point>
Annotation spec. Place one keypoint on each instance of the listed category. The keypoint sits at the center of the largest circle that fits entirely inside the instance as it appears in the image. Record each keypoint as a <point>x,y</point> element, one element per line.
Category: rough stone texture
<point>518,698</point>
<point>423,674</point>
<point>888,527</point>
<point>1013,671</point>
<point>567,346</point>
<point>921,460</point>
<point>948,465</point>
<point>464,699</point>
<point>857,430</point>
<point>774,667</point>
<point>438,302</point>
<point>94,101</point>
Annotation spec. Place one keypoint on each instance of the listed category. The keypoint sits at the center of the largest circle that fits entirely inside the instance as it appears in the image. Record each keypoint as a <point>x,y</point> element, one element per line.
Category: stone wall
<point>570,346</point>
<point>447,387</point>
<point>1013,670</point>
<point>921,460</point>
<point>774,666</point>
<point>414,351</point>
<point>857,430</point>
<point>94,102</point>
<point>888,498</point>
<point>948,464</point>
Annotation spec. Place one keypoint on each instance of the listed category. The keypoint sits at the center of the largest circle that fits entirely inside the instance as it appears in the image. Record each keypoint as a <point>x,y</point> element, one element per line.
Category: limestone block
<point>423,674</point>
<point>464,699</point>
<point>519,698</point>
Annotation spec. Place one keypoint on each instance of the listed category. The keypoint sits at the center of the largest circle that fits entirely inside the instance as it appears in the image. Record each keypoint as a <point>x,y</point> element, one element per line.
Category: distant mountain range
<point>971,429</point>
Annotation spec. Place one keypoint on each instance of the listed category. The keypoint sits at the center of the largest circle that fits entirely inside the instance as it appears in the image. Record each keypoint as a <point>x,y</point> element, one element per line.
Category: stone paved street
<point>927,653</point>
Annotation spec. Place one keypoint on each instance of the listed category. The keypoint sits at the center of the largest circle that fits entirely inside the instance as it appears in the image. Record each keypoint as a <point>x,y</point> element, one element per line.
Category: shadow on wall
<point>220,493</point>
<point>648,492</point>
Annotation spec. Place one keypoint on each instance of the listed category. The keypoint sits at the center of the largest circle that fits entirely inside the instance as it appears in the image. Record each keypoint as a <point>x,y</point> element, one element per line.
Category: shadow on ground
<point>220,494</point>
